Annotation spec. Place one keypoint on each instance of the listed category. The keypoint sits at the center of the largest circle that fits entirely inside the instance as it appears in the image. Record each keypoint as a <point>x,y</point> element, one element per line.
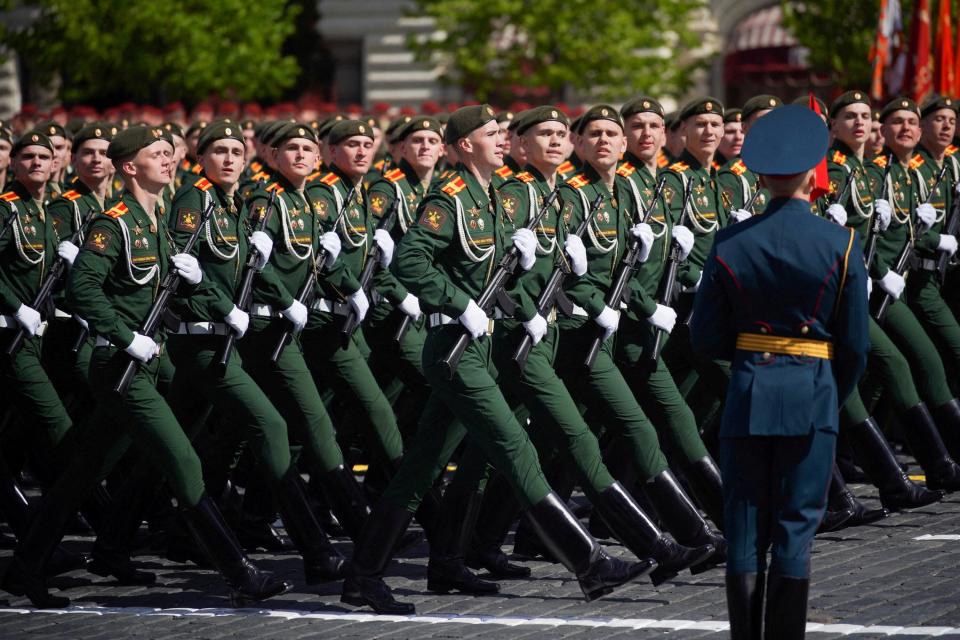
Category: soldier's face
<point>153,165</point>
<point>484,147</point>
<point>939,128</point>
<point>852,125</point>
<point>545,145</point>
<point>646,135</point>
<point>422,149</point>
<point>90,160</point>
<point>732,140</point>
<point>59,152</point>
<point>901,131</point>
<point>602,142</point>
<point>875,142</point>
<point>515,149</point>
<point>296,157</point>
<point>223,161</point>
<point>353,155</point>
<point>179,150</point>
<point>248,142</point>
<point>5,154</point>
<point>703,133</point>
<point>507,140</point>
<point>33,165</point>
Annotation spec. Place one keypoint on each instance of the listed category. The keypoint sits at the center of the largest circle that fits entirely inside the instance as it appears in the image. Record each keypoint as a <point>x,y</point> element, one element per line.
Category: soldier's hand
<point>474,320</point>
<point>684,239</point>
<point>68,251</point>
<point>526,243</point>
<point>948,244</point>
<point>29,319</point>
<point>188,267</point>
<point>927,214</point>
<point>297,314</point>
<point>238,320</point>
<point>359,303</point>
<point>883,209</point>
<point>893,283</point>
<point>739,215</point>
<point>385,242</point>
<point>330,242</point>
<point>536,328</point>
<point>609,320</point>
<point>577,253</point>
<point>664,318</point>
<point>411,306</point>
<point>264,247</point>
<point>644,233</point>
<point>143,348</point>
<point>869,287</point>
<point>838,214</point>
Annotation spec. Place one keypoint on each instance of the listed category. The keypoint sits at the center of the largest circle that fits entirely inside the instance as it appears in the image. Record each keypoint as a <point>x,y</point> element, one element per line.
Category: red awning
<point>762,29</point>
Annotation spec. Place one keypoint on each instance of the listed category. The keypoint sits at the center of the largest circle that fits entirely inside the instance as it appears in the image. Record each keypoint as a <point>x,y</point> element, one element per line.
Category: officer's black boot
<point>786,614</point>
<point>364,585</point>
<point>446,570</point>
<point>499,509</point>
<point>637,532</point>
<point>428,513</point>
<point>255,528</point>
<point>111,550</point>
<point>682,519</point>
<point>321,562</point>
<point>878,461</point>
<point>247,582</point>
<point>745,606</point>
<point>568,541</point>
<point>703,479</point>
<point>834,520</point>
<point>947,417</point>
<point>526,541</point>
<point>840,497</point>
<point>921,434</point>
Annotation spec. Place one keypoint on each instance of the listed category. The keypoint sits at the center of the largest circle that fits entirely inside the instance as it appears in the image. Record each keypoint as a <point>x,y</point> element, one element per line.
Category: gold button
<point>804,329</point>
<point>763,329</point>
<point>766,355</point>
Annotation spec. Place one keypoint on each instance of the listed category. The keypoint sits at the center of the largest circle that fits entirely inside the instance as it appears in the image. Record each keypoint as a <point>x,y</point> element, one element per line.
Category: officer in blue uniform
<point>784,297</point>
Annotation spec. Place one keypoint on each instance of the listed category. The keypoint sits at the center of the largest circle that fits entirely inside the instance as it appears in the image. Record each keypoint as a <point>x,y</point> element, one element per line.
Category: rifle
<point>167,288</point>
<point>951,228</point>
<point>670,284</point>
<point>308,291</point>
<point>748,206</point>
<point>493,292</point>
<point>906,255</point>
<point>875,227</point>
<point>49,285</point>
<point>622,276</point>
<point>366,276</point>
<point>245,294</point>
<point>7,224</point>
<point>550,291</point>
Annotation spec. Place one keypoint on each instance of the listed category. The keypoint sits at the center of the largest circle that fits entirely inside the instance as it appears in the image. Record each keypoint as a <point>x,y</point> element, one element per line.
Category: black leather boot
<point>745,606</point>
<point>246,581</point>
<point>703,479</point>
<point>786,614</point>
<point>631,526</point>
<point>321,562</point>
<point>834,520</point>
<point>878,461</point>
<point>446,570</point>
<point>947,417</point>
<point>112,548</point>
<point>682,519</point>
<point>21,580</point>
<point>921,434</point>
<point>364,585</point>
<point>568,541</point>
<point>840,497</point>
<point>258,512</point>
<point>499,509</point>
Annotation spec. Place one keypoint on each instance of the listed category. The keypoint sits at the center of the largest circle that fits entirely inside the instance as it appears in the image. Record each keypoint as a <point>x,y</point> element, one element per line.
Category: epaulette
<point>203,184</point>
<point>378,165</point>
<point>185,165</point>
<point>716,165</point>
<point>9,196</point>
<point>679,167</point>
<point>951,149</point>
<point>578,181</point>
<point>880,160</point>
<point>662,160</point>
<point>839,158</point>
<point>259,175</point>
<point>116,211</point>
<point>566,167</point>
<point>275,186</point>
<point>394,175</point>
<point>916,161</point>
<point>454,187</point>
<point>71,195</point>
<point>255,166</point>
<point>626,169</point>
<point>330,179</point>
<point>738,168</point>
<point>313,176</point>
<point>525,176</point>
<point>196,169</point>
<point>504,172</point>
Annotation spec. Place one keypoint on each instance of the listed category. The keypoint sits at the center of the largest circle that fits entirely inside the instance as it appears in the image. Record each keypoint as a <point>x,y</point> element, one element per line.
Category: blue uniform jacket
<point>773,275</point>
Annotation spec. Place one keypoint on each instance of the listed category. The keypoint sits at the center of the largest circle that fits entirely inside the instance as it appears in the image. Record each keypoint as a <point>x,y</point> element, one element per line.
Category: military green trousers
<point>924,297</point>
<point>68,371</point>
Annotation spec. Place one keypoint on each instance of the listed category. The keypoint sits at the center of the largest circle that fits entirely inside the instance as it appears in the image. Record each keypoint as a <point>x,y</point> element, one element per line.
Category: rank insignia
<point>188,220</point>
<point>260,212</point>
<point>433,218</point>
<point>98,241</point>
<point>377,203</point>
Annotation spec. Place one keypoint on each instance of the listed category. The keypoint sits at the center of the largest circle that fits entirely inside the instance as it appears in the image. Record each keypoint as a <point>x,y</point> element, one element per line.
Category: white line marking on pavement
<point>947,536</point>
<point>514,621</point>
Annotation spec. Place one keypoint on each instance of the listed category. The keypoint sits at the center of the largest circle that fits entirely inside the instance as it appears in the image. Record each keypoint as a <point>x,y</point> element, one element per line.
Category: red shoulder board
<point>9,196</point>
<point>454,187</point>
<point>504,172</point>
<point>839,158</point>
<point>626,169</point>
<point>916,161</point>
<point>679,167</point>
<point>578,181</point>
<point>313,176</point>
<point>330,179</point>
<point>952,149</point>
<point>880,161</point>
<point>196,169</point>
<point>662,160</point>
<point>117,211</point>
<point>255,166</point>
<point>203,184</point>
<point>275,186</point>
<point>394,175</point>
<point>715,165</point>
<point>738,167</point>
<point>259,175</point>
<point>185,165</point>
<point>71,195</point>
<point>525,176</point>
<point>566,167</point>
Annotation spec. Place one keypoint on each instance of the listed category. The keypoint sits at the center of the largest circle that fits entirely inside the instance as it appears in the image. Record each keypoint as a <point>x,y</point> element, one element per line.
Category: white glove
<point>663,318</point>
<point>330,242</point>
<point>526,244</point>
<point>238,320</point>
<point>411,306</point>
<point>297,314</point>
<point>883,209</point>
<point>893,283</point>
<point>838,214</point>
<point>869,287</point>
<point>188,267</point>
<point>359,303</point>
<point>264,246</point>
<point>536,327</point>
<point>609,320</point>
<point>684,239</point>
<point>739,215</point>
<point>68,251</point>
<point>29,319</point>
<point>645,234</point>
<point>385,242</point>
<point>142,348</point>
<point>577,253</point>
<point>948,244</point>
<point>927,214</point>
<point>474,320</point>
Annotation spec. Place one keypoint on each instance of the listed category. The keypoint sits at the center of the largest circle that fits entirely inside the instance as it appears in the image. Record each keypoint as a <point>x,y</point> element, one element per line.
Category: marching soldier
<point>737,182</point>
<point>732,140</point>
<point>6,145</point>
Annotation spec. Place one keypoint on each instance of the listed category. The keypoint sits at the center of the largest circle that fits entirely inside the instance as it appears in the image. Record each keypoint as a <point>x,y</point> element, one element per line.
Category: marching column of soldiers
<point>205,329</point>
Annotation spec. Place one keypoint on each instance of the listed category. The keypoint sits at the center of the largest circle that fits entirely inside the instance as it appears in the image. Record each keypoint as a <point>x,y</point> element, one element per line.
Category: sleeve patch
<point>510,205</point>
<point>99,240</point>
<point>377,204</point>
<point>320,208</point>
<point>433,217</point>
<point>187,220</point>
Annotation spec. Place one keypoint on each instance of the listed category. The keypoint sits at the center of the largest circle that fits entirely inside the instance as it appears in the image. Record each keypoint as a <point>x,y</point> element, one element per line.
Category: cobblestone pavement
<point>869,582</point>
